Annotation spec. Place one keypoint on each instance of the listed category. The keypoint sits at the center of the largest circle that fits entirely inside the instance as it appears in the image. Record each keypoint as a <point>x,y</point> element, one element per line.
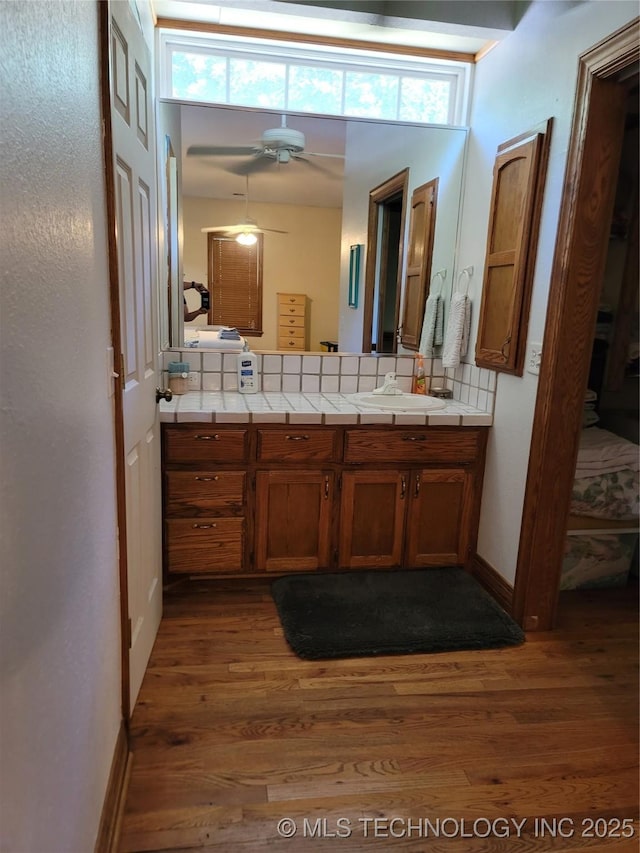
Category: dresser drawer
<point>297,445</point>
<point>205,545</point>
<point>204,492</point>
<point>285,311</point>
<point>285,300</point>
<point>290,322</point>
<point>293,332</point>
<point>205,444</point>
<point>409,445</point>
<point>290,343</point>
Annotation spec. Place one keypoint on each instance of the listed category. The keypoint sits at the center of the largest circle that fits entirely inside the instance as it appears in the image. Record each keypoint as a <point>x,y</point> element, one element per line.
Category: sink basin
<point>397,402</point>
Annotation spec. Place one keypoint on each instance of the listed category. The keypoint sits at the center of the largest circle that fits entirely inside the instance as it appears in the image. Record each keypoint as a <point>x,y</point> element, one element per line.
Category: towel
<point>457,338</point>
<point>603,452</point>
<point>432,326</point>
<point>229,334</point>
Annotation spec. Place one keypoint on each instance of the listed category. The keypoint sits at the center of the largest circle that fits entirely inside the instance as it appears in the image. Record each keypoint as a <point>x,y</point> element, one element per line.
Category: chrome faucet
<point>390,385</point>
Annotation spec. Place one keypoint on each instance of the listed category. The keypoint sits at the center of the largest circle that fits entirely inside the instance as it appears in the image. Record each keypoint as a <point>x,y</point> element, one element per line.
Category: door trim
<point>585,215</point>
<point>386,191</point>
<point>114,302</point>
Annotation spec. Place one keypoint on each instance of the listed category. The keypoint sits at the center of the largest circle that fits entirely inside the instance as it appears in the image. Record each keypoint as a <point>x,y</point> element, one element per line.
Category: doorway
<point>383,271</point>
<point>585,218</point>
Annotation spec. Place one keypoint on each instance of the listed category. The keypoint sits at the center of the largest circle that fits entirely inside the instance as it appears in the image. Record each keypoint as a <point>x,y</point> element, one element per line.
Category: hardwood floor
<point>232,734</point>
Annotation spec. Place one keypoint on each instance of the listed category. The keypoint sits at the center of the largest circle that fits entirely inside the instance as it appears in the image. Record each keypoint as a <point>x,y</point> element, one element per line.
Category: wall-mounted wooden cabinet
<point>280,499</point>
<point>516,200</point>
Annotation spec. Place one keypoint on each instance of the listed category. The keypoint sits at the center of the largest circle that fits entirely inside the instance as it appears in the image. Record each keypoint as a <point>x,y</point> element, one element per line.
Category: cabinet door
<point>372,518</point>
<point>440,507</point>
<point>293,520</point>
<point>421,232</point>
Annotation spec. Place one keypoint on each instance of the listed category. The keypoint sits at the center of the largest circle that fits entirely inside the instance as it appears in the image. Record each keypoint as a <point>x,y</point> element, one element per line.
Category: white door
<point>132,122</point>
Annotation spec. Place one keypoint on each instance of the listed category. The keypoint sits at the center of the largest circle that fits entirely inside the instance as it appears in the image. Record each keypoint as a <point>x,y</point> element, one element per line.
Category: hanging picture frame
<point>354,274</point>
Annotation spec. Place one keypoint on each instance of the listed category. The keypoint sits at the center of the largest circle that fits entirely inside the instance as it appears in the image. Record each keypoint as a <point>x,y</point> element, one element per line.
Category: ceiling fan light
<point>246,238</point>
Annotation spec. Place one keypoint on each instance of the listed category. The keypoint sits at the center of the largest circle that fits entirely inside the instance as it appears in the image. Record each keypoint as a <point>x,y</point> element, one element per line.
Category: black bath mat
<point>358,614</point>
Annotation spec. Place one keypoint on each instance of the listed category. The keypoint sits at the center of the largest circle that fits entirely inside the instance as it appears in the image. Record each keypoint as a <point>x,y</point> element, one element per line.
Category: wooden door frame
<point>585,217</point>
<point>386,191</point>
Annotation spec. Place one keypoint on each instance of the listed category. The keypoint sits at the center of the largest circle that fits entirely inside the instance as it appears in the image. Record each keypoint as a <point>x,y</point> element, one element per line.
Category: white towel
<point>432,326</point>
<point>457,338</point>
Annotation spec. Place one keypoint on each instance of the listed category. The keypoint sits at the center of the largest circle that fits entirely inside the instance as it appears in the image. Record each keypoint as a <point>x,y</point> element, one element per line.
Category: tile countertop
<point>231,407</point>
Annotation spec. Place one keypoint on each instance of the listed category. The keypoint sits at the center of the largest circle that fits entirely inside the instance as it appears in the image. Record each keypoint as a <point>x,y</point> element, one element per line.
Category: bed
<point>602,532</point>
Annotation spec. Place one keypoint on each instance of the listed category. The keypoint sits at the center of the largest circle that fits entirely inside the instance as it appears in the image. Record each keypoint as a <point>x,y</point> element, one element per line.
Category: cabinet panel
<point>297,445</point>
<point>204,492</point>
<point>409,445</point>
<point>206,545</point>
<point>439,515</point>
<point>293,520</point>
<point>205,444</point>
<point>372,518</point>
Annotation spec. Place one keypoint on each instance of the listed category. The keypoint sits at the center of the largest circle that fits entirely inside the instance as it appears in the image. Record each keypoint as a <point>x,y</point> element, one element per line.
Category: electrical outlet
<point>194,381</point>
<point>534,356</point>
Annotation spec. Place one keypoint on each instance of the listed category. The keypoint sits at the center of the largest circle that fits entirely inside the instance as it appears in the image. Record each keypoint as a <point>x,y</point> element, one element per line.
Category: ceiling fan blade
<point>219,150</point>
<point>316,166</point>
<point>258,163</point>
<point>320,154</point>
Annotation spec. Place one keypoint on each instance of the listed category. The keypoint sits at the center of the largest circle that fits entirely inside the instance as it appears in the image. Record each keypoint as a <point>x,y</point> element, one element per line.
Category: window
<point>235,284</point>
<point>277,75</point>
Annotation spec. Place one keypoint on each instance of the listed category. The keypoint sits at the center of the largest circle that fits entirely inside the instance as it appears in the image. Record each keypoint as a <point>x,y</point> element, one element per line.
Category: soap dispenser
<point>419,378</point>
<point>247,371</point>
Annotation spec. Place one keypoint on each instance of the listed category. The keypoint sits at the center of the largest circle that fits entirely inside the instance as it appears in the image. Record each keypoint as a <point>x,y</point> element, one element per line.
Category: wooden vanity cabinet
<point>275,499</point>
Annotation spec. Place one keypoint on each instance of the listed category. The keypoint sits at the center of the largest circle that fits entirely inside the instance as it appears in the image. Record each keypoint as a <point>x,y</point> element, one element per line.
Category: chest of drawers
<point>293,321</point>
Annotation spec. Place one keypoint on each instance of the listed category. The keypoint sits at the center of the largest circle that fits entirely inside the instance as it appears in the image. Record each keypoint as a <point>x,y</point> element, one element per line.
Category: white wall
<point>59,611</point>
<point>428,152</point>
<point>526,79</point>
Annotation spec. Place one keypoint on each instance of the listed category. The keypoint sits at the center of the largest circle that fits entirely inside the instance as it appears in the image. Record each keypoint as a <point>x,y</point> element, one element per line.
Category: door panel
<point>372,518</point>
<point>135,213</point>
<point>293,520</point>
<point>421,233</point>
<point>439,517</point>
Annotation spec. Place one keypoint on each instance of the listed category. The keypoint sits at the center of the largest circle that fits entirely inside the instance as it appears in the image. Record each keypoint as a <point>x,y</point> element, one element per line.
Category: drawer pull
<point>417,490</point>
<point>215,437</point>
<point>292,343</point>
<point>203,526</point>
<point>297,438</point>
<point>326,487</point>
<point>403,487</point>
<point>292,299</point>
<point>292,321</point>
<point>414,437</point>
<point>207,479</point>
<point>292,310</point>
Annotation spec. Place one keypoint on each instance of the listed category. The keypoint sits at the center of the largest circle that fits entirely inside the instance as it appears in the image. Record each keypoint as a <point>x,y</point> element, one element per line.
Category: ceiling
<point>463,25</point>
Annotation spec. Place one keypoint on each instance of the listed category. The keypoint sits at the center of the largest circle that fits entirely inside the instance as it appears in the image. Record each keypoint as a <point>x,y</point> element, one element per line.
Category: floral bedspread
<point>614,496</point>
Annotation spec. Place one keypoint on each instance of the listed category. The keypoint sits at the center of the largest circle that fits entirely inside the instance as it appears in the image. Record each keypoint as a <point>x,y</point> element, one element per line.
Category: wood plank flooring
<point>466,751</point>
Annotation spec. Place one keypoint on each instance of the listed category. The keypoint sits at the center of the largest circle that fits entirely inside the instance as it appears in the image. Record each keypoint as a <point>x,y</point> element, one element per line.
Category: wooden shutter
<point>420,250</point>
<point>235,284</point>
<point>516,199</point>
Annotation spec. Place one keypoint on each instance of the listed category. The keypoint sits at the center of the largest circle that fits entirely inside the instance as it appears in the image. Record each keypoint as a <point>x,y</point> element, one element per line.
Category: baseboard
<point>110,821</point>
<point>493,582</point>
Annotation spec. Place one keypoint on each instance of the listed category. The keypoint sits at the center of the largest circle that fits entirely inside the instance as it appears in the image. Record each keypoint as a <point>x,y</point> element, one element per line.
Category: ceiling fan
<point>246,230</point>
<point>279,145</point>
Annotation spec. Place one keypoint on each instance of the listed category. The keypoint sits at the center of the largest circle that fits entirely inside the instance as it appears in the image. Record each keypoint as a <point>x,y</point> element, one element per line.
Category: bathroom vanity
<point>266,498</point>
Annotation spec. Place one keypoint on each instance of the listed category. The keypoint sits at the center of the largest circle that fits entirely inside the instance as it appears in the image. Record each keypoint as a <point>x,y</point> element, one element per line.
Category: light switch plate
<point>534,356</point>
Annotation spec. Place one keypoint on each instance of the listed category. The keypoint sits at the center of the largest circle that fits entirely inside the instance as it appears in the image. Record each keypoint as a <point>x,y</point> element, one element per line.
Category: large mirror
<point>319,199</point>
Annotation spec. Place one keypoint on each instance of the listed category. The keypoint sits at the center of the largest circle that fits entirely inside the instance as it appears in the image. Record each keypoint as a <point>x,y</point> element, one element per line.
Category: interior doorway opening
<point>383,283</point>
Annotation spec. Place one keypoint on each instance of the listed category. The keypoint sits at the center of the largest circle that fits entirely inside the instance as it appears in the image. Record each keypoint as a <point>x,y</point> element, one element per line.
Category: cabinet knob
<point>203,526</point>
<point>215,437</point>
<point>297,438</point>
<point>207,479</point>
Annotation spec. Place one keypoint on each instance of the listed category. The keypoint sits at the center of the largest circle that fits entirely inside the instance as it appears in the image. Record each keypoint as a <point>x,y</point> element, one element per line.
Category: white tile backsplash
<point>332,373</point>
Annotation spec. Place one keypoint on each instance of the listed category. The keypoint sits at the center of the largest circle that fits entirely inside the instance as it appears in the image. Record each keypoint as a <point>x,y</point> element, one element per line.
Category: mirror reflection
<point>310,207</point>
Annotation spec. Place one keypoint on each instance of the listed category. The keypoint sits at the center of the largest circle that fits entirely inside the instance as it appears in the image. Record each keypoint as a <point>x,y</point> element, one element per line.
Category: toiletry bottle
<point>247,372</point>
<point>419,378</point>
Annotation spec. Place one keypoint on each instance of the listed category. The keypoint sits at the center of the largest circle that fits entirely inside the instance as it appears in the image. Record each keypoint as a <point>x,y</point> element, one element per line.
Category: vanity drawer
<point>297,445</point>
<point>411,445</point>
<point>205,444</point>
<point>205,545</point>
<point>204,492</point>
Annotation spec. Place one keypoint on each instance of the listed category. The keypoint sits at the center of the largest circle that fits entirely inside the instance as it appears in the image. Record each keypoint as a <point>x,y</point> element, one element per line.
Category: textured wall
<point>60,678</point>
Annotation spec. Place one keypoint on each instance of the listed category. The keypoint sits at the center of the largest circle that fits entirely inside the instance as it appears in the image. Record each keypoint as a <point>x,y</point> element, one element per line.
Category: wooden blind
<point>235,284</point>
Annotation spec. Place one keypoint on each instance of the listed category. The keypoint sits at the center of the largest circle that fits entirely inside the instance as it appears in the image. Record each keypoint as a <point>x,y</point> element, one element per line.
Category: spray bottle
<point>419,378</point>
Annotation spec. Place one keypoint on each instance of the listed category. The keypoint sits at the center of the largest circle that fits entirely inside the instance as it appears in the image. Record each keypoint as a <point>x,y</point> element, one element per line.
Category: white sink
<point>397,402</point>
